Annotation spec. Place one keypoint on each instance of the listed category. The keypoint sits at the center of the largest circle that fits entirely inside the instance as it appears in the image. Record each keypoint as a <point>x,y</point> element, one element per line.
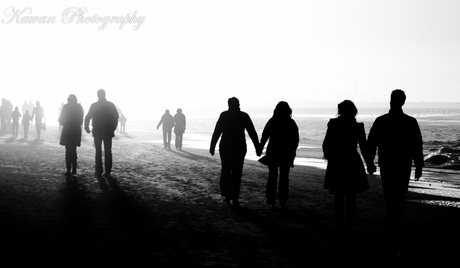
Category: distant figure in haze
<point>122,123</point>
<point>71,119</point>
<point>282,135</point>
<point>26,119</point>
<point>5,114</point>
<point>39,115</point>
<point>15,115</point>
<point>345,174</point>
<point>179,128</point>
<point>104,117</point>
<point>168,123</point>
<point>232,125</point>
<point>399,141</point>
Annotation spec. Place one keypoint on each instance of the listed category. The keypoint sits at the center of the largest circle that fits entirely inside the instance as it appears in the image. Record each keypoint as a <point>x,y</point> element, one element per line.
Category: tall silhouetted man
<point>232,125</point>
<point>168,123</point>
<point>104,117</point>
<point>399,142</point>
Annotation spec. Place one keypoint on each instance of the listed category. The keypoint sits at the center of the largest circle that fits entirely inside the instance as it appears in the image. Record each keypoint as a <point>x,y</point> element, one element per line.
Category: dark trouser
<point>272,182</point>
<point>71,158</point>
<point>395,182</point>
<point>107,156</point>
<point>179,140</point>
<point>345,209</point>
<point>231,173</point>
<point>167,138</point>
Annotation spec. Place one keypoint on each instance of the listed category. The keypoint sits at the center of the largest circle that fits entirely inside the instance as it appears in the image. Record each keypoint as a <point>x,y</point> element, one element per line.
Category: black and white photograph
<point>212,133</point>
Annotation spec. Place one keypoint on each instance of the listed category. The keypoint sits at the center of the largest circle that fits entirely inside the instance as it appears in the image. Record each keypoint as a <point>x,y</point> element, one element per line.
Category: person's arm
<point>61,117</point>
<point>418,151</point>
<point>371,148</point>
<point>115,117</point>
<point>363,146</point>
<point>216,134</point>
<point>264,138</point>
<point>88,118</point>
<point>252,134</point>
<point>159,123</point>
<point>327,142</point>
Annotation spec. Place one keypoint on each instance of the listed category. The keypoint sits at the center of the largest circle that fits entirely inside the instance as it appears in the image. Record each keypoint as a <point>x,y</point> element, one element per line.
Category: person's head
<point>233,104</point>
<point>282,109</point>
<point>37,104</point>
<point>398,98</point>
<point>179,110</point>
<point>16,108</point>
<point>347,109</point>
<point>72,98</point>
<point>167,111</point>
<point>27,111</point>
<point>101,94</point>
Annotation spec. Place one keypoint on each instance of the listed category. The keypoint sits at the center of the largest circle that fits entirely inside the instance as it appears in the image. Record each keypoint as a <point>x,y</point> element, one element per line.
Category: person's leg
<point>38,127</point>
<point>165,141</point>
<point>283,191</point>
<point>98,147</point>
<point>395,184</point>
<point>339,210</point>
<point>68,161</point>
<point>181,135</point>
<point>74,159</point>
<point>169,139</point>
<point>270,191</point>
<point>351,208</point>
<point>237,174</point>
<point>225,175</point>
<point>108,155</point>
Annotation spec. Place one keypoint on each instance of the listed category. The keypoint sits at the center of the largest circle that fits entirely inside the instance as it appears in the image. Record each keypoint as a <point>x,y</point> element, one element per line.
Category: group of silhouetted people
<point>283,135</point>
<point>395,135</point>
<point>168,122</point>
<point>103,116</point>
<point>10,118</point>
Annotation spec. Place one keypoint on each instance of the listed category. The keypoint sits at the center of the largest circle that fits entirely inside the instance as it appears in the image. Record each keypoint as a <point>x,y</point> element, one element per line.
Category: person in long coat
<point>282,135</point>
<point>71,120</point>
<point>345,173</point>
<point>179,128</point>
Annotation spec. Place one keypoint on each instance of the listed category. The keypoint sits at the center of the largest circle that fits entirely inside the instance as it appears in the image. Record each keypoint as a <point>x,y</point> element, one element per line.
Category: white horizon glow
<point>197,54</point>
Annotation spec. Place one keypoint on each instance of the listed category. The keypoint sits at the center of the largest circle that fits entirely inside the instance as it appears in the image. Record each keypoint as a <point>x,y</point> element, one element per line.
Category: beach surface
<point>163,208</point>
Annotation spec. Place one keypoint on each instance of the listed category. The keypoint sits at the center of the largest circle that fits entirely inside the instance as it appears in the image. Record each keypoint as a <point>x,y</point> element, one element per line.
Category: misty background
<point>194,55</point>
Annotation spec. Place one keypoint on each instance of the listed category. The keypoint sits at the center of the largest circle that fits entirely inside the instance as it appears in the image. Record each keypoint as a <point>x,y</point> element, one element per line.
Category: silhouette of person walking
<point>399,142</point>
<point>26,119</point>
<point>282,135</point>
<point>5,114</point>
<point>71,120</point>
<point>122,123</point>
<point>179,128</point>
<point>345,174</point>
<point>168,123</point>
<point>39,115</point>
<point>15,115</point>
<point>230,128</point>
<point>104,117</point>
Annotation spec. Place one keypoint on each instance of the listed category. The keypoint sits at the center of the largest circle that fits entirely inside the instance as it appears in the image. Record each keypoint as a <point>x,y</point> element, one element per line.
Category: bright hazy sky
<point>195,54</point>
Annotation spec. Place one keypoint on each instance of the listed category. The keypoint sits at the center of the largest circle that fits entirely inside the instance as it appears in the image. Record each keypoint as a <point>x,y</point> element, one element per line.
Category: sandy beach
<point>163,208</point>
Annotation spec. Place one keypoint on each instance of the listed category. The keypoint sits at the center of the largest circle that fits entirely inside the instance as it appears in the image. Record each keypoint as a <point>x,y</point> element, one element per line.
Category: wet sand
<point>163,208</point>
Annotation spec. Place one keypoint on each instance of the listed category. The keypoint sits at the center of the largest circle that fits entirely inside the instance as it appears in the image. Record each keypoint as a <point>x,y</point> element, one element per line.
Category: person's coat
<point>345,172</point>
<point>71,118</point>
